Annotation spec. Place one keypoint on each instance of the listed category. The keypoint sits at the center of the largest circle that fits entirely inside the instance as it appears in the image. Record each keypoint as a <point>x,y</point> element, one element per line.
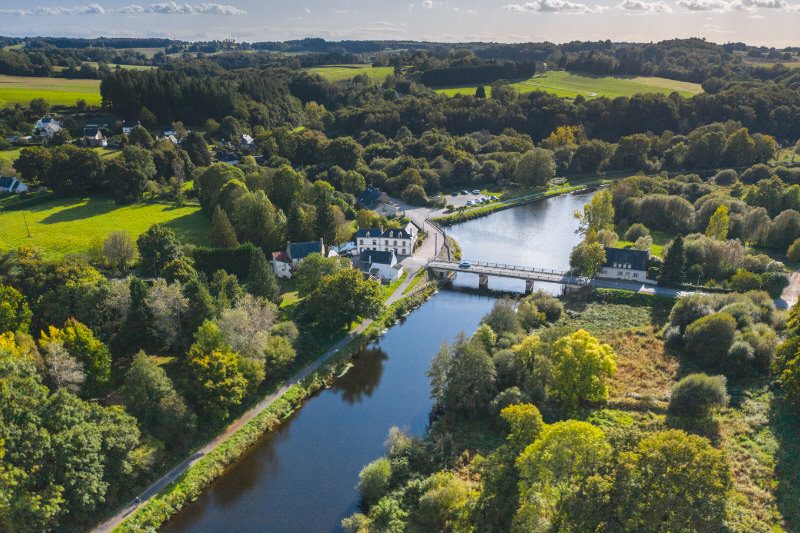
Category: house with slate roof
<point>284,263</point>
<point>93,136</point>
<point>380,264</point>
<point>625,264</point>
<point>11,185</point>
<point>399,241</point>
<point>46,127</point>
<point>128,125</point>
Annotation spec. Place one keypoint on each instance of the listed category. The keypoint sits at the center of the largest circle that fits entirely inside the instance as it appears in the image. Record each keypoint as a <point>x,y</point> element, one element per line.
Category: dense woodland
<point>118,361</point>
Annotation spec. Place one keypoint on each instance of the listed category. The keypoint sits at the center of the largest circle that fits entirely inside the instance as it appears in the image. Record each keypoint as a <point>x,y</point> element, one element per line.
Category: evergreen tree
<point>674,262</point>
<point>261,280</point>
<point>201,305</point>
<point>139,328</point>
<point>222,232</point>
<point>197,148</point>
<point>326,223</point>
<point>480,92</point>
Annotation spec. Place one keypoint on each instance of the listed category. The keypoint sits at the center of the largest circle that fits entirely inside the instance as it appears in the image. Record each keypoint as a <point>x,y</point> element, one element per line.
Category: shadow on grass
<point>92,207</point>
<point>193,228</point>
<point>784,421</point>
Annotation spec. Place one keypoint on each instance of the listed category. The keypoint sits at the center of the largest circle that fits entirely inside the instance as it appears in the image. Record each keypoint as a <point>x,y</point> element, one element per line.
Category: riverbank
<point>189,479</point>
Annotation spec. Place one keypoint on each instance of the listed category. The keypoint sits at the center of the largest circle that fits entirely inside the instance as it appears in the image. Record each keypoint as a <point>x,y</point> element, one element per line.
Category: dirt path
<point>791,293</point>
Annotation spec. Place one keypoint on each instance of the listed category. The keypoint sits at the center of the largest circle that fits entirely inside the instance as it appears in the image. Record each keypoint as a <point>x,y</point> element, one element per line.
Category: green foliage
<point>119,250</point>
<point>598,214</point>
<point>525,423</point>
<point>222,233</point>
<point>709,338</point>
<point>157,247</point>
<point>635,231</point>
<point>463,377</point>
<point>719,224</point>
<point>698,395</point>
<point>535,167</point>
<point>373,481</point>
<point>586,257</point>
<point>216,370</point>
<point>15,315</point>
<point>261,280</point>
<point>672,272</point>
<point>210,183</point>
<point>340,299</point>
<point>81,344</point>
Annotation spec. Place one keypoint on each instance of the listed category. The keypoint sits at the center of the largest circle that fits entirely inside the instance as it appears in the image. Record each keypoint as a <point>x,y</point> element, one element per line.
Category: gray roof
<point>370,197</point>
<point>6,182</point>
<point>90,131</point>
<point>386,234</point>
<point>637,259</point>
<point>299,250</point>
<point>375,256</point>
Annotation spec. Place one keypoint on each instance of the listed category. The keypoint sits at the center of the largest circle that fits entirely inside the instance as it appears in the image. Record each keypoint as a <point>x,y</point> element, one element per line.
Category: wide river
<point>302,477</point>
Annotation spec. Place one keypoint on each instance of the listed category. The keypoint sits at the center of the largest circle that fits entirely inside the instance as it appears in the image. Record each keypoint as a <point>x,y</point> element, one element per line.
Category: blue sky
<point>767,22</point>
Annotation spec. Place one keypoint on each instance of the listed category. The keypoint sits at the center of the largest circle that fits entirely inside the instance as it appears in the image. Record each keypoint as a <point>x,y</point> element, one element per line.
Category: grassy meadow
<point>346,72</point>
<point>57,91</point>
<point>63,226</point>
<point>570,85</point>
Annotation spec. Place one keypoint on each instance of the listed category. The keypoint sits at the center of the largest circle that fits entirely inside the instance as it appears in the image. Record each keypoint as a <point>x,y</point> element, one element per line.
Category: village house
<point>11,185</point>
<point>399,241</point>
<point>376,200</point>
<point>46,127</point>
<point>93,136</point>
<point>284,263</point>
<point>128,125</point>
<point>380,264</point>
<point>625,264</point>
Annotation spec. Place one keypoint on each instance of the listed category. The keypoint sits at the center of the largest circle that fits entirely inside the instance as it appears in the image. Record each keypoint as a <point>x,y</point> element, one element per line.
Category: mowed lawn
<point>63,226</point>
<point>57,91</point>
<point>570,85</point>
<point>346,72</point>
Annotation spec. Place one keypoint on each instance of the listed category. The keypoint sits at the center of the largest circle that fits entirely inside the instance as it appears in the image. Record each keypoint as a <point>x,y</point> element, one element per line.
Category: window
<point>386,242</point>
<point>374,241</point>
<point>635,275</point>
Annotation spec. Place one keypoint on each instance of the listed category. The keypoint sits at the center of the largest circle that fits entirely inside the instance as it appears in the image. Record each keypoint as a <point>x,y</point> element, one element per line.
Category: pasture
<point>346,72</point>
<point>57,91</point>
<point>63,226</point>
<point>570,85</point>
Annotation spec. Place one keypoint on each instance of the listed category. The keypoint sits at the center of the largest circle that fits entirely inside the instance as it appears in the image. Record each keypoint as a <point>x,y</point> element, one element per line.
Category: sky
<point>759,22</point>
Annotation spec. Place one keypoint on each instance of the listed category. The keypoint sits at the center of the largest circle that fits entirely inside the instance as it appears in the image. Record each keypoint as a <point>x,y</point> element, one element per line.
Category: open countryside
<point>57,91</point>
<point>346,72</point>
<point>66,226</point>
<point>570,85</point>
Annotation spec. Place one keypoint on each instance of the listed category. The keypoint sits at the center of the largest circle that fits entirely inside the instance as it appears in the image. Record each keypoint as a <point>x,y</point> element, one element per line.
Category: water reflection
<point>364,377</point>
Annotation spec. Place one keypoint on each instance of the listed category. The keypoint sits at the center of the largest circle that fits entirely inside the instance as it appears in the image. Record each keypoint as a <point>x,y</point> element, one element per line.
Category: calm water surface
<point>302,477</point>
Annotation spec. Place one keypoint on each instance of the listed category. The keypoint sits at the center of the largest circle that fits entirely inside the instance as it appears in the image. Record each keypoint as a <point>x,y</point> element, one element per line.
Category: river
<point>302,477</point>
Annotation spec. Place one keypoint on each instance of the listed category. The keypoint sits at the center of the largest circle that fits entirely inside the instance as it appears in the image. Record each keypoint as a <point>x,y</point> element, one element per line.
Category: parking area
<point>470,198</point>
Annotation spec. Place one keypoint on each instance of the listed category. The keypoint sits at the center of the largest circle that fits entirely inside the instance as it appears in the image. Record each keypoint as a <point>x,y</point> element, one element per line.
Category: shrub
<point>793,253</point>
<point>548,304</point>
<point>709,338</point>
<point>698,394</point>
<point>636,231</point>
<point>740,357</point>
<point>726,177</point>
<point>373,480</point>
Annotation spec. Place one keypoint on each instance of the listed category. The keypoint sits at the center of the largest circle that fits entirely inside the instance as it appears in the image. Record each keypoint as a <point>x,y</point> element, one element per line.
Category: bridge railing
<point>505,266</point>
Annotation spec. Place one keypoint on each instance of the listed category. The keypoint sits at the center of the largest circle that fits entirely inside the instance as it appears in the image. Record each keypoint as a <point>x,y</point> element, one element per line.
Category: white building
<point>381,264</point>
<point>46,127</point>
<point>11,185</point>
<point>284,263</point>
<point>399,241</point>
<point>625,264</point>
<point>93,136</point>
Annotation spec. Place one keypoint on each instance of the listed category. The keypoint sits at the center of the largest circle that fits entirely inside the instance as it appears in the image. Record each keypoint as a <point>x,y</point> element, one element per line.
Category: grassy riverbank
<point>191,484</point>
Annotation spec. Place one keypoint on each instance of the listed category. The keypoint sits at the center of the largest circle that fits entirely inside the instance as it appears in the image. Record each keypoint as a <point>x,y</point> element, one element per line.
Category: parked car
<point>476,191</point>
<point>464,265</point>
<point>455,193</point>
<point>465,191</point>
<point>470,203</point>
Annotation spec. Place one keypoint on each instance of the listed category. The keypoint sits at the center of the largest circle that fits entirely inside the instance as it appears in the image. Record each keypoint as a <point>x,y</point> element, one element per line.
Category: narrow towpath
<point>791,293</point>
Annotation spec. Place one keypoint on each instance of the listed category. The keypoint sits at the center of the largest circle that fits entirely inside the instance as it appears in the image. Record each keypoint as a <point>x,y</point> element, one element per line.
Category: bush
<point>793,253</point>
<point>234,261</point>
<point>740,357</point>
<point>548,304</point>
<point>636,231</point>
<point>709,338</point>
<point>726,177</point>
<point>698,394</point>
<point>373,481</point>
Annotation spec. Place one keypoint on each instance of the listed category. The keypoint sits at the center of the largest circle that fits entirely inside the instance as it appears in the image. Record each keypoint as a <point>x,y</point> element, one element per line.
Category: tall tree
<point>157,247</point>
<point>718,224</point>
<point>261,280</point>
<point>598,214</point>
<point>674,262</point>
<point>222,233</point>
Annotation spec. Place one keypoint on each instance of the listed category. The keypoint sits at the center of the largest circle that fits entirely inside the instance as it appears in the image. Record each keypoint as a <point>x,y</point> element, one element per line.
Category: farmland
<point>570,85</point>
<point>346,72</point>
<point>63,226</point>
<point>57,91</point>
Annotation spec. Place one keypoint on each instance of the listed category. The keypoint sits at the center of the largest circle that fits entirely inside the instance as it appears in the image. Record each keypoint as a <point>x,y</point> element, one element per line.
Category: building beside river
<point>399,241</point>
<point>625,264</point>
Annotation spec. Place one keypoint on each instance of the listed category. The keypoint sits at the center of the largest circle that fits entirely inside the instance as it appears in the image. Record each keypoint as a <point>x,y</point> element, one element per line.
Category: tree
<point>698,395</point>
<point>148,118</point>
<point>535,167</point>
<point>503,318</point>
<point>635,231</point>
<point>465,378</point>
<point>373,481</point>
<point>344,152</point>
<point>216,369</point>
<point>674,263</point>
<point>151,397</point>
<point>586,257</point>
<point>210,182</point>
<point>81,344</point>
<point>789,380</point>
<point>15,315</point>
<point>33,164</point>
<point>480,92</point>
<point>287,184</point>
<point>314,269</point>
<point>278,353</point>
<point>598,214</point>
<point>580,367</point>
<point>127,175</point>
<point>63,371</point>
<point>525,423</point>
<point>157,247</point>
<point>555,466</point>
<point>197,148</point>
<point>139,136</point>
<point>74,171</point>
<point>718,224</point>
<point>222,233</point>
<point>341,298</point>
<point>672,482</point>
<point>261,280</point>
<point>353,182</point>
<point>119,250</point>
<point>709,338</point>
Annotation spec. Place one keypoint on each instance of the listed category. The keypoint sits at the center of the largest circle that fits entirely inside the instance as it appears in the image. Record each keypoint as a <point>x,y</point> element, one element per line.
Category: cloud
<point>553,6</point>
<point>427,4</point>
<point>307,11</point>
<point>175,8</point>
<point>640,6</point>
<point>726,6</point>
<point>88,9</point>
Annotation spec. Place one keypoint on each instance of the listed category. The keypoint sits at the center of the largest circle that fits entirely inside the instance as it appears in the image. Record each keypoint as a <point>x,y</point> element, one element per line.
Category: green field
<point>570,85</point>
<point>346,72</point>
<point>63,226</point>
<point>57,91</point>
<point>7,157</point>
